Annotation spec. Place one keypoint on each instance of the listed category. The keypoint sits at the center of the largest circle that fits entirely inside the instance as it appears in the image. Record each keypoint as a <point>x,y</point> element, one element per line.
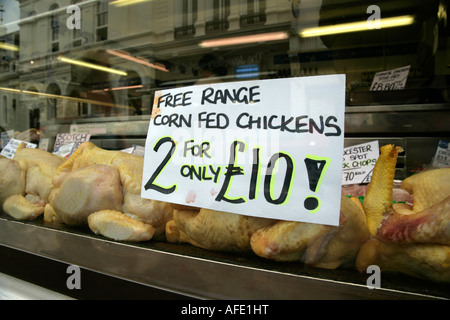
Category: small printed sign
<point>10,149</point>
<point>358,163</point>
<point>88,128</point>
<point>5,137</point>
<point>65,150</point>
<point>43,144</point>
<point>135,149</point>
<point>441,158</point>
<point>267,148</point>
<point>64,141</point>
<point>390,80</point>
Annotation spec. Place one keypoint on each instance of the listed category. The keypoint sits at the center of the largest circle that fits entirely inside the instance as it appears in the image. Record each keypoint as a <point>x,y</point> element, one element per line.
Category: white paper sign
<point>91,128</point>
<point>390,80</point>
<point>43,144</point>
<point>269,148</point>
<point>441,158</point>
<point>10,149</point>
<point>5,137</point>
<point>72,139</point>
<point>135,149</point>
<point>359,162</point>
<point>65,150</point>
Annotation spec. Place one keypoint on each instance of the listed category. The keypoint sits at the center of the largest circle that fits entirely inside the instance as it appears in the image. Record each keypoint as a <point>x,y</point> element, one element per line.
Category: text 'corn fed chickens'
<point>268,148</point>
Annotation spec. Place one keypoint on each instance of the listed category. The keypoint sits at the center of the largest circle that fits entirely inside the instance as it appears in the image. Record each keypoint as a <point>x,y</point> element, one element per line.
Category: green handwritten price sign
<point>268,148</point>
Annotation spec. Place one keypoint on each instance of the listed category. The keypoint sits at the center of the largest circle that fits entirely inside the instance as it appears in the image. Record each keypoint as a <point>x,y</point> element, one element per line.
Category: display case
<point>93,70</point>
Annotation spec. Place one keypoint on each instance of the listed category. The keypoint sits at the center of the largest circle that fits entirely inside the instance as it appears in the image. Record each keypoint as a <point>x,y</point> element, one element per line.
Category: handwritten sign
<point>390,80</point>
<point>269,148</point>
<point>10,149</point>
<point>359,162</point>
<point>67,143</point>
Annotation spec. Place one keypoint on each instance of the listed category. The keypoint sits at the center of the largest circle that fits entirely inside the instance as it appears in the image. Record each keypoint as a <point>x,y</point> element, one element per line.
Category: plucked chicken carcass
<point>410,239</point>
<point>107,184</point>
<point>314,244</point>
<point>25,182</point>
<point>213,230</point>
<point>83,191</point>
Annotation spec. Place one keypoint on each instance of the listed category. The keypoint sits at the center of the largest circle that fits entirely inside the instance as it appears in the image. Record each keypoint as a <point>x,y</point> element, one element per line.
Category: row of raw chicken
<point>101,188</point>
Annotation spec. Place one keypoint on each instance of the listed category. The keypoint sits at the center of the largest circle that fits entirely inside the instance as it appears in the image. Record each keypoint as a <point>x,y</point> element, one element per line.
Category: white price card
<point>441,158</point>
<point>267,148</point>
<point>5,137</point>
<point>73,140</point>
<point>390,80</point>
<point>10,149</point>
<point>358,163</point>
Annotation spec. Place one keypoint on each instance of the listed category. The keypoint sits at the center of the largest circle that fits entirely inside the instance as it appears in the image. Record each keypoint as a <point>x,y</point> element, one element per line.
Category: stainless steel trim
<point>205,275</point>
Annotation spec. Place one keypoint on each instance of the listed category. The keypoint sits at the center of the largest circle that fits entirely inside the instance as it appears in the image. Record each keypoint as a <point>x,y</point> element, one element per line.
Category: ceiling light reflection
<point>271,36</point>
<point>56,96</point>
<point>8,46</point>
<point>140,60</point>
<point>92,66</point>
<point>123,3</point>
<point>356,26</point>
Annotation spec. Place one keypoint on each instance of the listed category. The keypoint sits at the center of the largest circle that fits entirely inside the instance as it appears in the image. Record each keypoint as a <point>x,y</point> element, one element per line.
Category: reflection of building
<point>157,44</point>
<point>153,43</point>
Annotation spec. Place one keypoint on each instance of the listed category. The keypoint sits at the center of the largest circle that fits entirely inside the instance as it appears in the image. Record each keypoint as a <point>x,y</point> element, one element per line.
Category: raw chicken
<point>316,245</point>
<point>380,193</point>
<point>40,166</point>
<point>21,208</point>
<point>129,168</point>
<point>84,191</point>
<point>25,182</point>
<point>426,261</point>
<point>213,230</point>
<point>12,179</point>
<point>415,239</point>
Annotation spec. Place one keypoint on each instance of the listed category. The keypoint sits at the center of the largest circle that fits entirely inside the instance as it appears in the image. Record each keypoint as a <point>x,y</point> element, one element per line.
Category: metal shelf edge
<point>179,273</point>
